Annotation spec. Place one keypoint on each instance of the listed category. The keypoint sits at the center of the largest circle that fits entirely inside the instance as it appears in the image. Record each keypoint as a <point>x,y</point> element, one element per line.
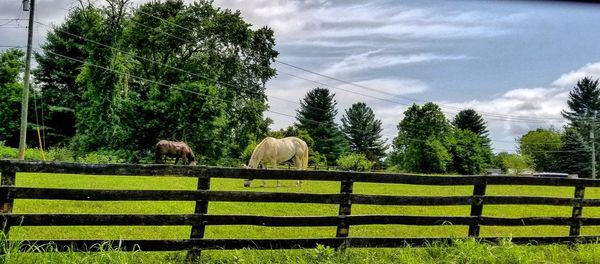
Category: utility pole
<point>25,95</point>
<point>592,128</point>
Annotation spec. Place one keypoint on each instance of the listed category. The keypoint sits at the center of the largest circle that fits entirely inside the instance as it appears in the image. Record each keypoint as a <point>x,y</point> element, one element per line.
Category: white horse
<point>273,151</point>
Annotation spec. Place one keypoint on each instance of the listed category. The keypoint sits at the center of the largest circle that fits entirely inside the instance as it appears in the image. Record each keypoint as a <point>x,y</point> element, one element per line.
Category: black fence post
<point>477,205</point>
<point>345,210</point>
<point>200,209</point>
<point>577,211</point>
<point>6,204</point>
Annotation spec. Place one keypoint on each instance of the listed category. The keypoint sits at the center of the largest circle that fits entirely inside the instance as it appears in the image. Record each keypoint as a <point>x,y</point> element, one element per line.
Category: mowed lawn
<point>280,209</point>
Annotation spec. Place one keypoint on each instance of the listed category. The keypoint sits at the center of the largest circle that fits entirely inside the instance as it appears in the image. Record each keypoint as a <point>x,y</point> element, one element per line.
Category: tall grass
<point>462,251</point>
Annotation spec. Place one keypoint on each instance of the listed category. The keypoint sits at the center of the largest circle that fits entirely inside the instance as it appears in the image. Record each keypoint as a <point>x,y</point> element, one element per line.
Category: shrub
<point>354,161</point>
<point>7,152</point>
<point>59,154</point>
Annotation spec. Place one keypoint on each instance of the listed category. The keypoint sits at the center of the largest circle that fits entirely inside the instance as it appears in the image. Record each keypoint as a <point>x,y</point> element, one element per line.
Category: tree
<point>141,74</point>
<point>469,152</point>
<point>584,108</point>
<point>583,101</point>
<point>419,145</point>
<point>516,163</point>
<point>363,132</point>
<point>316,116</point>
<point>57,74</point>
<point>574,156</point>
<point>470,120</point>
<point>541,145</point>
<point>11,66</point>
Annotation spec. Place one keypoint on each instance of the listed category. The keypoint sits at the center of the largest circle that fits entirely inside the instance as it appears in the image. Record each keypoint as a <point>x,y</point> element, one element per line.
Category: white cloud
<point>570,79</point>
<point>378,59</point>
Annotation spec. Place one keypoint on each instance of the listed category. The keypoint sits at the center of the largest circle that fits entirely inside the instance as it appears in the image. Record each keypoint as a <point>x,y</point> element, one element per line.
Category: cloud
<point>570,79</point>
<point>517,111</point>
<point>378,59</point>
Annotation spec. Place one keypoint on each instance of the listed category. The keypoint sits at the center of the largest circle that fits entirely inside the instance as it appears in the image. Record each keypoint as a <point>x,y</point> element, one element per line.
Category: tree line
<point>117,78</point>
<point>568,149</point>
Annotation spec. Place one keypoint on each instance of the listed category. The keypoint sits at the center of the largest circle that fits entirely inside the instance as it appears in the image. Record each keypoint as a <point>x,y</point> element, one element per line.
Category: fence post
<point>6,202</point>
<point>577,211</point>
<point>345,209</point>
<point>477,204</point>
<point>201,209</point>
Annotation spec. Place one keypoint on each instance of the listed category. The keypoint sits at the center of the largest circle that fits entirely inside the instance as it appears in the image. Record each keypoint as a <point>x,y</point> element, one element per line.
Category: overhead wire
<point>137,77</point>
<point>496,116</point>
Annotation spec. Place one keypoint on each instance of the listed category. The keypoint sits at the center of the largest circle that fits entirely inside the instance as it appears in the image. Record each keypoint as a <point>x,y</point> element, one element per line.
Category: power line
<point>489,115</point>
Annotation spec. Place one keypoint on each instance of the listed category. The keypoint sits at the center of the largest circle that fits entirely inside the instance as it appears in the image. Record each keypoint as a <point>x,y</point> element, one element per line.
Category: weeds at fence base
<point>467,250</point>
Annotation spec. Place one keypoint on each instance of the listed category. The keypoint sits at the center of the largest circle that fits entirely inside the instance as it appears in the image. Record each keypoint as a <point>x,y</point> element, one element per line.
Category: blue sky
<point>513,61</point>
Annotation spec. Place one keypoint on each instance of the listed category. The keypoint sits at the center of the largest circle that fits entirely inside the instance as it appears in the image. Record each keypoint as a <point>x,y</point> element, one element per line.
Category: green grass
<point>437,253</point>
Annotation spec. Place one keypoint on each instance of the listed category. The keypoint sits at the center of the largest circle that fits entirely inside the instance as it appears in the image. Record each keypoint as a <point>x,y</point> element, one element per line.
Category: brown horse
<point>174,149</point>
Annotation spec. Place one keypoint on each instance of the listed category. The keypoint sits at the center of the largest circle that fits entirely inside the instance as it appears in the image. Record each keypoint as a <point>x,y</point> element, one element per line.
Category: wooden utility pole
<point>25,96</point>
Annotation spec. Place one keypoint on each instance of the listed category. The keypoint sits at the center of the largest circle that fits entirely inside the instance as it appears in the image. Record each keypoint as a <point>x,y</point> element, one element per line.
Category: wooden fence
<point>345,199</point>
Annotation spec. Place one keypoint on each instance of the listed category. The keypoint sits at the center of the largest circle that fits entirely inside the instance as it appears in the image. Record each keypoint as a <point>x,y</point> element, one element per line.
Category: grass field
<point>354,255</point>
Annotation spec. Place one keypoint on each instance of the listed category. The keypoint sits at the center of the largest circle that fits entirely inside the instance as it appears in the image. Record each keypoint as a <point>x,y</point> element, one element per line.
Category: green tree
<point>11,66</point>
<point>516,163</point>
<point>469,152</point>
<point>574,156</point>
<point>583,101</point>
<point>498,161</point>
<point>419,145</point>
<point>316,116</point>
<point>469,119</point>
<point>148,69</point>
<point>56,74</point>
<point>363,132</point>
<point>541,145</point>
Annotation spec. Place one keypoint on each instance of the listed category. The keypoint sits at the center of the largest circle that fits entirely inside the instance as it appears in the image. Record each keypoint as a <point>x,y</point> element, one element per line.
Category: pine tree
<point>583,101</point>
<point>470,120</point>
<point>574,155</point>
<point>363,131</point>
<point>316,116</point>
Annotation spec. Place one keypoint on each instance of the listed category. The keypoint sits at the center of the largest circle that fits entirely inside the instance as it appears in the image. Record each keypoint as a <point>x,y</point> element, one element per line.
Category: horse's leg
<point>274,166</point>
<point>298,163</point>
<point>263,182</point>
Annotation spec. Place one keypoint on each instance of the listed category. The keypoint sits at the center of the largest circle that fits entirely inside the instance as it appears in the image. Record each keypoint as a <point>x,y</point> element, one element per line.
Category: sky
<point>512,61</point>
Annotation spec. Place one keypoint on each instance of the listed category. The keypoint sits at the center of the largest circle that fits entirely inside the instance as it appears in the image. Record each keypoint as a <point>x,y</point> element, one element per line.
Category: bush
<point>355,162</point>
<point>7,152</point>
<point>59,154</point>
<point>104,157</point>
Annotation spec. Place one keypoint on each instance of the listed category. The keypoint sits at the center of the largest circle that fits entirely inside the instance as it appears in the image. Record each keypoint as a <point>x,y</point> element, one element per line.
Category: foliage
<point>575,154</point>
<point>363,132</point>
<point>11,66</point>
<point>516,163</point>
<point>419,145</point>
<point>541,145</point>
<point>57,75</point>
<point>583,101</point>
<point>316,116</point>
<point>133,81</point>
<point>469,119</point>
<point>469,152</point>
<point>354,162</point>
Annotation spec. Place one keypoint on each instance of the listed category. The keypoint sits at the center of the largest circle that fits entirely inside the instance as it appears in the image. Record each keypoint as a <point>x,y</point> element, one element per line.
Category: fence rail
<point>343,220</point>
